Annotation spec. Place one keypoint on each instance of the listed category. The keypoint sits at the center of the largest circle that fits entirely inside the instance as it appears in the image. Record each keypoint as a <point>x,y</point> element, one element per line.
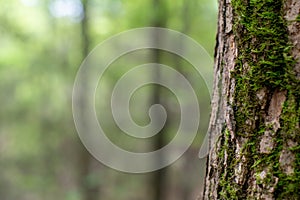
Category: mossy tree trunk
<point>254,127</point>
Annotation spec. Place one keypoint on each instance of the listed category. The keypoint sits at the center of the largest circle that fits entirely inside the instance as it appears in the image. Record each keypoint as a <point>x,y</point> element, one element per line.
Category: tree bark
<point>158,178</point>
<point>90,189</point>
<point>254,127</point>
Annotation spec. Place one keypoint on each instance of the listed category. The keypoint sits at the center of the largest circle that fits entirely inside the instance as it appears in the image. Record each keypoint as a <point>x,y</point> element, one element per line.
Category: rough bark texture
<point>254,127</point>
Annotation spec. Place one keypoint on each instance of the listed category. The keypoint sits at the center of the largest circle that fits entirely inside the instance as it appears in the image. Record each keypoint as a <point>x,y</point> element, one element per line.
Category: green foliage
<point>39,56</point>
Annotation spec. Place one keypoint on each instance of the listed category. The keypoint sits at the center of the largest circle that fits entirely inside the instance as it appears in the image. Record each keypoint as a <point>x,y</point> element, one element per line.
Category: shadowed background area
<point>43,43</point>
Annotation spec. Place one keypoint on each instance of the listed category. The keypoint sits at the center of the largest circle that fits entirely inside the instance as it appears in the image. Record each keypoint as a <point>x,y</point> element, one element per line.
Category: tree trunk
<point>159,176</point>
<point>254,128</point>
<point>89,188</point>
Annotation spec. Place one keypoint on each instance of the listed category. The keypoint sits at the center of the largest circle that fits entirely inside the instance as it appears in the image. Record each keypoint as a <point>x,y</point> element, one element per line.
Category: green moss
<point>264,46</point>
<point>227,190</point>
<point>264,62</point>
<point>290,117</point>
<point>289,185</point>
<point>298,18</point>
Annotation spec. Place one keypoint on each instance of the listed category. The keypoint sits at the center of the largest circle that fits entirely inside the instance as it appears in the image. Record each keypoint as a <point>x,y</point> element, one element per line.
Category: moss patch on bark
<point>264,65</point>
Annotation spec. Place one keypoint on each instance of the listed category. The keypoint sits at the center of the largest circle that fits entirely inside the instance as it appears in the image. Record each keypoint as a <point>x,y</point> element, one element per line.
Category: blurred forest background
<point>43,43</point>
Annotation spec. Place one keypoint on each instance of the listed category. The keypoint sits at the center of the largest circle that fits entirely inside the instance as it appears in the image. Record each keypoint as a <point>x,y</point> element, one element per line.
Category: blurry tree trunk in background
<point>159,176</point>
<point>88,187</point>
<point>186,191</point>
<point>254,127</point>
